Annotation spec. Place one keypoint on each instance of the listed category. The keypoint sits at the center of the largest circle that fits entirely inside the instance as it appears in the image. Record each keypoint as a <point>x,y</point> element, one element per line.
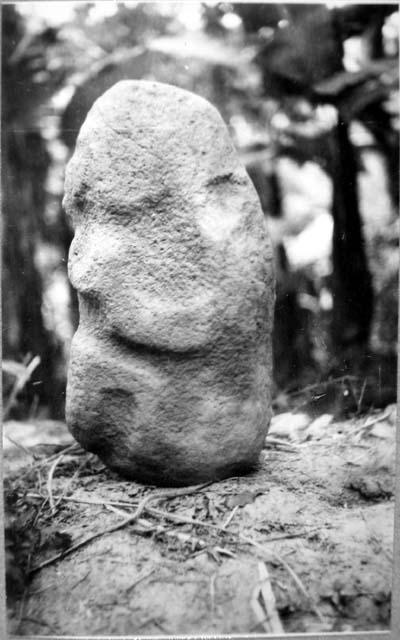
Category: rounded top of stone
<point>134,89</point>
<point>145,138</point>
<point>144,103</point>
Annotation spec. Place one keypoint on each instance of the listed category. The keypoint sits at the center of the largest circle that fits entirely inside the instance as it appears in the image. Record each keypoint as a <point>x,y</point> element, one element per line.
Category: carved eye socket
<point>79,201</point>
<point>80,195</point>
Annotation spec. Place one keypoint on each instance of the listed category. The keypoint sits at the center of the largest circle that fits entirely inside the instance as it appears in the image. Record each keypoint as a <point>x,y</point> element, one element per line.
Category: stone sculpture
<point>170,370</point>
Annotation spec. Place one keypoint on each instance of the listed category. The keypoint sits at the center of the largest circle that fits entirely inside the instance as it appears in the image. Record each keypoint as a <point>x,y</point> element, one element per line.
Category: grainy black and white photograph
<point>200,258</point>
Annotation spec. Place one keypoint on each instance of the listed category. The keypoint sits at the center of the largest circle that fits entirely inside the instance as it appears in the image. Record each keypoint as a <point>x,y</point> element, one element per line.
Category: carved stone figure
<point>170,371</point>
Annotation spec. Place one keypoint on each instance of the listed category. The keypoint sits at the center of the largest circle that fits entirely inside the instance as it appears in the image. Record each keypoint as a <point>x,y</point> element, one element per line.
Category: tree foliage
<point>296,67</point>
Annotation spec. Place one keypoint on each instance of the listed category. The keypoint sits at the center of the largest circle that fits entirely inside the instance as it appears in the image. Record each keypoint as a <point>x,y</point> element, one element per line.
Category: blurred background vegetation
<point>310,95</point>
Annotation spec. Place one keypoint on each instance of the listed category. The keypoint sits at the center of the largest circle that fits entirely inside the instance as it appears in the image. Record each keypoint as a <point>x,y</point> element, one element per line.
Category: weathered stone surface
<point>170,370</point>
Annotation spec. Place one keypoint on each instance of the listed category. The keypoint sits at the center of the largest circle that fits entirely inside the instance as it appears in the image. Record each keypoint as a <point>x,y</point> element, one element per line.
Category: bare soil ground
<point>302,545</point>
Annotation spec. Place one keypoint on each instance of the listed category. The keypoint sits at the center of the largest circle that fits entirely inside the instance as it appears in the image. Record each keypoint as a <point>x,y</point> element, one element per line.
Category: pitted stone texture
<point>170,371</point>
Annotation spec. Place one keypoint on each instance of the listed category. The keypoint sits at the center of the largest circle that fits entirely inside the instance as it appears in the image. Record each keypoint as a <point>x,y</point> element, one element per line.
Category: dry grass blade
<point>272,622</point>
<point>370,421</point>
<point>258,611</point>
<point>290,446</point>
<point>323,383</point>
<point>302,588</point>
<point>20,446</point>
<point>174,517</point>
<point>71,449</point>
<point>230,517</point>
<point>212,594</point>
<point>50,481</point>
<point>361,397</point>
<point>119,512</point>
<point>140,579</point>
<point>271,554</point>
<point>19,384</point>
<point>69,483</point>
<point>40,510</point>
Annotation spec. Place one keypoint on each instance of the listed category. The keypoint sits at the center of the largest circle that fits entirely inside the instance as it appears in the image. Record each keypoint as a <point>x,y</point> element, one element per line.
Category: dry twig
<point>145,526</point>
<point>120,525</point>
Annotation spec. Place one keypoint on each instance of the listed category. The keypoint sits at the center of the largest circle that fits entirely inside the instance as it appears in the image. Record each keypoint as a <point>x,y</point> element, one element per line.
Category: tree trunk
<point>26,162</point>
<point>352,285</point>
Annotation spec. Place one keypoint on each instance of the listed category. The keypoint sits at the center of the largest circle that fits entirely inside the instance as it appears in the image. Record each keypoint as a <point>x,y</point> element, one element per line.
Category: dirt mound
<point>302,545</point>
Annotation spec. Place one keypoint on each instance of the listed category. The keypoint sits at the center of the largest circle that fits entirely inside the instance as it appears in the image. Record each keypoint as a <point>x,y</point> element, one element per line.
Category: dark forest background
<point>310,95</point>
